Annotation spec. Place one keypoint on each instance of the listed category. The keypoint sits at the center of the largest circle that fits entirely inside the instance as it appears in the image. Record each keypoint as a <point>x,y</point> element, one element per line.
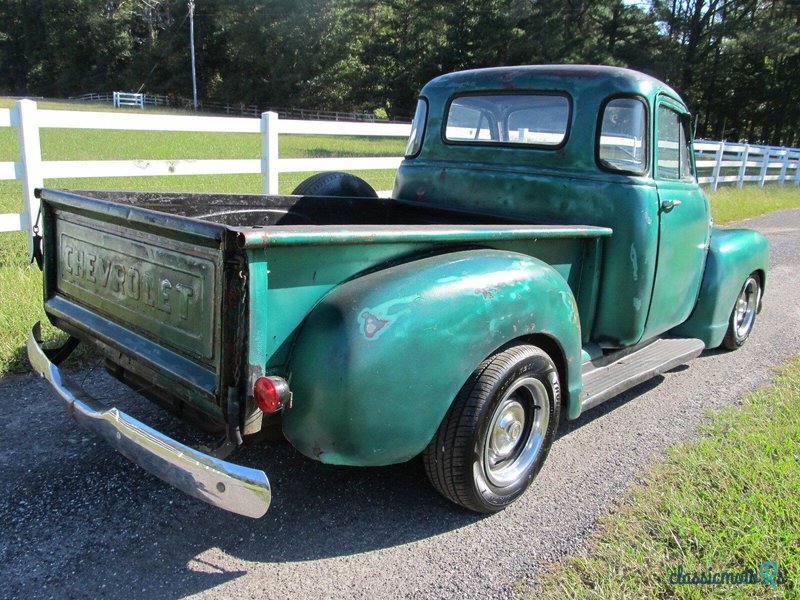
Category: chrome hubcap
<point>746,306</point>
<point>516,431</point>
<point>507,429</point>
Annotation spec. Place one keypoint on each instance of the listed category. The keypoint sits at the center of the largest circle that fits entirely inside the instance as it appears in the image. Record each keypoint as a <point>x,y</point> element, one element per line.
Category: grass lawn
<point>732,204</point>
<point>724,503</point>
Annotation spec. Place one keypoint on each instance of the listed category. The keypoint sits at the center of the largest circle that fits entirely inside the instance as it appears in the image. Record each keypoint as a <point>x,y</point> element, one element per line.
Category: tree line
<point>736,62</point>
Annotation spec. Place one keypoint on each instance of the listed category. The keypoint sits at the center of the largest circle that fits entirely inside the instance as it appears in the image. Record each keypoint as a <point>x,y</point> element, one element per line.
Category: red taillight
<point>270,393</point>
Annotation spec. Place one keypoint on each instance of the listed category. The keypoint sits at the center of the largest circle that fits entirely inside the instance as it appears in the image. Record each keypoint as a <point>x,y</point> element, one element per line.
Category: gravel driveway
<point>79,520</point>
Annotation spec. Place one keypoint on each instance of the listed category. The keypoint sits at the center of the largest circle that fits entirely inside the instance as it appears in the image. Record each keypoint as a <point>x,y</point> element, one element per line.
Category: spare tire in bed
<point>335,183</point>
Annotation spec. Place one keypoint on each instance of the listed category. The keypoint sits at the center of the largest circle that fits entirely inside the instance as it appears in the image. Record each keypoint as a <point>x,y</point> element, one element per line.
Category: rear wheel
<point>334,183</point>
<point>496,436</point>
<point>743,315</point>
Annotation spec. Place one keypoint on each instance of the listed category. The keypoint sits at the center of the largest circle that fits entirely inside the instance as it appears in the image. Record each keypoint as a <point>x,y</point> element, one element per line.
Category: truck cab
<point>592,145</point>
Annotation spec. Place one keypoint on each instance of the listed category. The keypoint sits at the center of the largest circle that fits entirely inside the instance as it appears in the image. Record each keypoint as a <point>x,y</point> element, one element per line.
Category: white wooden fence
<point>33,171</point>
<point>128,99</point>
<point>726,162</point>
<point>717,162</point>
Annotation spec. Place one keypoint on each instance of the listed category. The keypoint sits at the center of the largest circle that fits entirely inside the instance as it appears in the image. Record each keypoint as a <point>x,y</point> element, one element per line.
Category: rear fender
<point>733,255</point>
<point>379,360</point>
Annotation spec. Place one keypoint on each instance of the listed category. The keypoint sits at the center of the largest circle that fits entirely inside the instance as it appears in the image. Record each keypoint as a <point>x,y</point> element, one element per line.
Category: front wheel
<point>743,315</point>
<point>496,436</point>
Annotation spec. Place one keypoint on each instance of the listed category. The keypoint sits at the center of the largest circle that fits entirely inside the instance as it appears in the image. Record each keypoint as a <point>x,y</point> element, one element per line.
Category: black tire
<point>743,315</point>
<point>460,460</point>
<point>334,183</point>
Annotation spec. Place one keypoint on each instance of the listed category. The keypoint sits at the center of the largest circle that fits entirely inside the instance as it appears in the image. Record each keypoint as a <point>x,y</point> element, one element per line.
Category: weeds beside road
<point>725,503</point>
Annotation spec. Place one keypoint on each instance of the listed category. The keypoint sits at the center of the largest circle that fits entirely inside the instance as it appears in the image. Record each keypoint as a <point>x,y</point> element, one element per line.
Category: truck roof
<point>604,80</point>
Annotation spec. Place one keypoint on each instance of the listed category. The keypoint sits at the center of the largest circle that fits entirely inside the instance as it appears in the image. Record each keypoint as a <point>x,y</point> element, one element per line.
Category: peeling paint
<point>637,303</point>
<point>487,293</point>
<point>634,263</point>
<point>372,324</point>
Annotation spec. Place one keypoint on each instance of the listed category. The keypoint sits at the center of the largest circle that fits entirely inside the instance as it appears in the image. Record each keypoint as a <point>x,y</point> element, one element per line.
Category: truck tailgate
<point>147,286</point>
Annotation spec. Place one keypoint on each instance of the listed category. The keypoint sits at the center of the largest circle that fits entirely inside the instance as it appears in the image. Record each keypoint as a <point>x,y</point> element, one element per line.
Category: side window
<point>622,143</point>
<point>674,160</point>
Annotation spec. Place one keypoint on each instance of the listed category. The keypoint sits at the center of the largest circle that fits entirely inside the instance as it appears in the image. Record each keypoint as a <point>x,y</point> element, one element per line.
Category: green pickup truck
<point>546,247</point>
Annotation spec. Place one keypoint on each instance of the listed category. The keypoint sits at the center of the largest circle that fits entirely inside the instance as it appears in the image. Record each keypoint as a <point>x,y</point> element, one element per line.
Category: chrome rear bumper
<point>228,486</point>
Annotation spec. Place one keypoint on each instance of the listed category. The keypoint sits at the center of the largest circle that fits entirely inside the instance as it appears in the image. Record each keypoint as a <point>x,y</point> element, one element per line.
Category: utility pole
<point>191,45</point>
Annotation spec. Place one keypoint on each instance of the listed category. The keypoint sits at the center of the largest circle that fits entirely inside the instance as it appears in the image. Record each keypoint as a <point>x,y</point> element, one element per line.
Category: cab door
<point>684,221</point>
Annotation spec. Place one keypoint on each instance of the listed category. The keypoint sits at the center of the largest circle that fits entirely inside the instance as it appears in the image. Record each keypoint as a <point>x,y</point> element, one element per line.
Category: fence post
<point>784,166</point>
<point>718,165</point>
<point>797,171</point>
<point>764,166</point>
<point>269,152</point>
<point>30,154</point>
<point>743,166</point>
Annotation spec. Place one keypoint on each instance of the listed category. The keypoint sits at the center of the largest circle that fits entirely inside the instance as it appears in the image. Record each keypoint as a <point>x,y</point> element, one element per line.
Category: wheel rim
<point>745,312</point>
<point>516,431</point>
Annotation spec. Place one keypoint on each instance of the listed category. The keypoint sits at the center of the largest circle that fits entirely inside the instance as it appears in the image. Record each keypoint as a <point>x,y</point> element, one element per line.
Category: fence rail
<point>717,162</point>
<point>725,162</point>
<point>33,171</point>
<point>237,108</point>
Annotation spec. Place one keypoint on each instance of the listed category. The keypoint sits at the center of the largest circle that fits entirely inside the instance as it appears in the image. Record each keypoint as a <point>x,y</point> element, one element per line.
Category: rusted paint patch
<point>372,324</point>
<point>634,263</point>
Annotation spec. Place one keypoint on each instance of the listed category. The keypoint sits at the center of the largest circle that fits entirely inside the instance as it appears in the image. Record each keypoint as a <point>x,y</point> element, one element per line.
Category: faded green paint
<point>734,254</point>
<point>297,279</point>
<point>379,360</point>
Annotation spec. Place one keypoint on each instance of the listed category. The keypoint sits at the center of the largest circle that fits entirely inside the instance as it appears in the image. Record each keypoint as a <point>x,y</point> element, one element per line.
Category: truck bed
<point>300,219</point>
<point>178,291</point>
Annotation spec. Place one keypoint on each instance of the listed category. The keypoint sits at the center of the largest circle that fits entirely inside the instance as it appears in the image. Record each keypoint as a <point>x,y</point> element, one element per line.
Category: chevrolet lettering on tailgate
<point>163,291</point>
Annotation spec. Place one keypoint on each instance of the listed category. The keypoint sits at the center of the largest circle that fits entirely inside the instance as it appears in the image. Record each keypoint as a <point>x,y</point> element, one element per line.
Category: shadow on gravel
<point>567,427</point>
<point>93,524</point>
<point>81,520</point>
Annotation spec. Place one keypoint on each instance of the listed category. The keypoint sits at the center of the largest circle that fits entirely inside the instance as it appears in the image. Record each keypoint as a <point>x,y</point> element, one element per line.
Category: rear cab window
<point>535,119</point>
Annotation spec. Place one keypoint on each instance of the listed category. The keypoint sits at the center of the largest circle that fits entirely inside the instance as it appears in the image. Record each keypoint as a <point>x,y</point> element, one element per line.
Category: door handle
<point>668,205</point>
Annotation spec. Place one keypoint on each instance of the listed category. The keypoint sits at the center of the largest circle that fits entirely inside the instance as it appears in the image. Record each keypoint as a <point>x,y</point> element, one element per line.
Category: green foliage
<point>726,502</point>
<point>737,63</point>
